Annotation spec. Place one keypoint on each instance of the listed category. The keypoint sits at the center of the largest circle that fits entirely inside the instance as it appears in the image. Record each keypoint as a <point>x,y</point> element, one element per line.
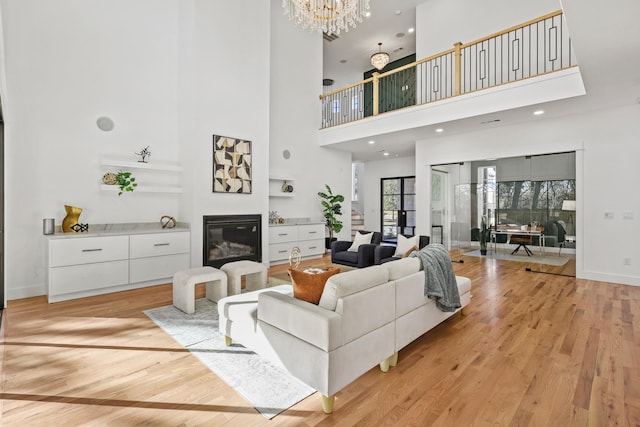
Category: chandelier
<point>380,58</point>
<point>328,16</point>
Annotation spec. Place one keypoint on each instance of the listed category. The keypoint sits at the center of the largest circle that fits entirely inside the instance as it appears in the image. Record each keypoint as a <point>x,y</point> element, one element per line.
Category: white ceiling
<point>606,39</point>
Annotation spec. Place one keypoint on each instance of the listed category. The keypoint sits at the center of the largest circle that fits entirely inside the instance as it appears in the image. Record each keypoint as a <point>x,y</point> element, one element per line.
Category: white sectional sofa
<point>364,318</point>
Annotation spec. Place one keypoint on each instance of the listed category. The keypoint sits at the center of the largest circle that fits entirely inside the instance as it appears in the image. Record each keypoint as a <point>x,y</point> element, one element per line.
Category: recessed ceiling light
<point>411,30</point>
<point>343,61</point>
<point>400,35</point>
<point>367,14</point>
<point>538,113</point>
<point>372,142</point>
<point>385,153</point>
<point>439,130</point>
<point>398,12</point>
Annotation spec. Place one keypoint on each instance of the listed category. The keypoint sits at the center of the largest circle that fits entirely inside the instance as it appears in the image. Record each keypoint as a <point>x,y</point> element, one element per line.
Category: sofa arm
<point>366,254</point>
<point>383,251</point>
<point>303,320</point>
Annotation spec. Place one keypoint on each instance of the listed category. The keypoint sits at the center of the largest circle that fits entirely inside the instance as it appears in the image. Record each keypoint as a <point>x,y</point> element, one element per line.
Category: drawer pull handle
<point>92,250</point>
<point>162,244</point>
<point>312,232</point>
<point>282,252</point>
<point>283,234</point>
<point>312,247</point>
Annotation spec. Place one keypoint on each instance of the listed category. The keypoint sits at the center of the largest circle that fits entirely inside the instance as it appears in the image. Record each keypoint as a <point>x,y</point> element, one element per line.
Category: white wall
<point>68,63</point>
<point>168,74</point>
<point>223,90</point>
<point>441,23</point>
<point>376,170</point>
<point>296,82</point>
<point>606,178</point>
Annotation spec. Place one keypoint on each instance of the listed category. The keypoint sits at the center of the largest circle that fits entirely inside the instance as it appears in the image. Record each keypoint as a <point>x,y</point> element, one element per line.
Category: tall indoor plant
<point>331,210</point>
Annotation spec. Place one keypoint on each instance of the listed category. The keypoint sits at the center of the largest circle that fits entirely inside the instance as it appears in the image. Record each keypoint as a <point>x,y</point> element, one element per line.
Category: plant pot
<point>327,242</point>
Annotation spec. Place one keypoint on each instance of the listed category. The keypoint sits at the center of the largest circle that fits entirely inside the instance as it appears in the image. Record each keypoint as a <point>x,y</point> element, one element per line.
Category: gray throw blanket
<point>439,279</point>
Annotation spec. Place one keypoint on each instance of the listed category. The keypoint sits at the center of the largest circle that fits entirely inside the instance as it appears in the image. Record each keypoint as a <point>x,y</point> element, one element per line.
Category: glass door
<point>451,208</point>
<point>398,207</point>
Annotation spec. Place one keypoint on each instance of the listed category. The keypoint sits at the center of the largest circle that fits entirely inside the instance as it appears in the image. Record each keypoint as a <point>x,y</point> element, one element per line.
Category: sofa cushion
<point>308,285</point>
<point>346,256</point>
<point>405,243</point>
<point>350,282</point>
<point>360,239</point>
<point>402,267</point>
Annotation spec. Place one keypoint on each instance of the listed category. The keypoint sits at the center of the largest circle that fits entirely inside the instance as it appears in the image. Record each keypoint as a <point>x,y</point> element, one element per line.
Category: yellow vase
<point>73,214</point>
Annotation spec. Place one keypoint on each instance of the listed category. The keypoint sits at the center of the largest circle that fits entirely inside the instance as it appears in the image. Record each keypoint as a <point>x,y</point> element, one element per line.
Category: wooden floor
<point>534,350</point>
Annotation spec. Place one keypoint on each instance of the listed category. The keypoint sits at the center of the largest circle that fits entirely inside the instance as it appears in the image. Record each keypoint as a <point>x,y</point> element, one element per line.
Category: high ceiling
<point>606,39</point>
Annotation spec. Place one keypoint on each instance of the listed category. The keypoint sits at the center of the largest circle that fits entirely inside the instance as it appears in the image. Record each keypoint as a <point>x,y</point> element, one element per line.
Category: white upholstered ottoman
<point>184,283</point>
<point>254,272</point>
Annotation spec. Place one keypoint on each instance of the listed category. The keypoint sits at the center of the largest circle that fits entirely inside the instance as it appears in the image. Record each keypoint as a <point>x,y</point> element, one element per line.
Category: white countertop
<point>294,221</point>
<point>97,230</point>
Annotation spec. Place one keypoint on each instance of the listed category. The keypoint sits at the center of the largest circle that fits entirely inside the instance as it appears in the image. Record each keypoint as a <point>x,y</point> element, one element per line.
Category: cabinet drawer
<point>161,267</point>
<point>280,251</point>
<point>84,250</point>
<point>312,247</point>
<point>285,233</point>
<point>148,245</point>
<point>311,232</point>
<point>80,278</point>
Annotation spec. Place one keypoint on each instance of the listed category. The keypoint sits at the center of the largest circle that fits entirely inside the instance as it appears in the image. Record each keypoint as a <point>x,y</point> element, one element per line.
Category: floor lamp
<point>569,205</point>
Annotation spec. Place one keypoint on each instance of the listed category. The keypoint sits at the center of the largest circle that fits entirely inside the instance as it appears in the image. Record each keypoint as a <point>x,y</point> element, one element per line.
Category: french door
<point>397,207</point>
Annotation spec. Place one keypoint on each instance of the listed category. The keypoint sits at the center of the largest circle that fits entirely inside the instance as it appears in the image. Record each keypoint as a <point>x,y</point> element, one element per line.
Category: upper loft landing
<point>527,64</point>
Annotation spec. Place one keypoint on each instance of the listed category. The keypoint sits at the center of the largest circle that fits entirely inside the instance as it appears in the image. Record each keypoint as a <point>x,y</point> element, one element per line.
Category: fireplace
<point>228,238</point>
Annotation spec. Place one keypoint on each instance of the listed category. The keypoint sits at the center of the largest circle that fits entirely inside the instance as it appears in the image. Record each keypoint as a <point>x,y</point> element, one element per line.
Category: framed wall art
<point>231,165</point>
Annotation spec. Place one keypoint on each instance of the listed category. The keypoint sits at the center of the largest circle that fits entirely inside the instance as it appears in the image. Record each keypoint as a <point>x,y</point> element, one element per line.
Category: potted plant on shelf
<point>126,182</point>
<point>331,210</point>
<point>483,235</point>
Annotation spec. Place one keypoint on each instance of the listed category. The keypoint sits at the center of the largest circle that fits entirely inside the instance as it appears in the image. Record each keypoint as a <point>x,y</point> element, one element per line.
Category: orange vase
<point>73,214</point>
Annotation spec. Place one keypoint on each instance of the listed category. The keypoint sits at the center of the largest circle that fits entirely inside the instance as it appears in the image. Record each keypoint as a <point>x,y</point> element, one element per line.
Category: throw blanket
<point>439,280</point>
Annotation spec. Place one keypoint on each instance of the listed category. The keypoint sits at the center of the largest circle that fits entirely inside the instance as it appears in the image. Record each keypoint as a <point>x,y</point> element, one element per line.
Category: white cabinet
<point>158,255</point>
<point>309,238</point>
<point>80,266</point>
<point>83,265</point>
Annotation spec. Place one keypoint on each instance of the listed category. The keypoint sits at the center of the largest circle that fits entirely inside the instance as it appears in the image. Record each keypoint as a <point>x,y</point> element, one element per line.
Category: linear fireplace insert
<point>228,238</point>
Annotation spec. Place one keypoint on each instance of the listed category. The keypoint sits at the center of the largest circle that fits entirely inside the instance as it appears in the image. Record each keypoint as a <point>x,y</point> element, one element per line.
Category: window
<point>398,207</point>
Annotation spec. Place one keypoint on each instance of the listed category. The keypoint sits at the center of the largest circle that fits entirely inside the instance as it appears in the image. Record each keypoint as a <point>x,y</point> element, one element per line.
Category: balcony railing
<point>531,49</point>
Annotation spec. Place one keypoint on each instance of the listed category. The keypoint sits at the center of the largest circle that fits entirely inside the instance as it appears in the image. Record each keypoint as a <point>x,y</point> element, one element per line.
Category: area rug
<point>267,387</point>
<point>534,259</point>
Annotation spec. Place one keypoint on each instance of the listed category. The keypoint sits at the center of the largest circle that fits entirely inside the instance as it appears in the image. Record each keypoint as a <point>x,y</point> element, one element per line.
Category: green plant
<point>331,210</point>
<point>126,182</point>
<point>484,234</point>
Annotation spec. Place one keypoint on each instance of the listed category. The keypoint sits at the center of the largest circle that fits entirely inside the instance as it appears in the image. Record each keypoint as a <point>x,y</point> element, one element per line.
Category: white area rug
<point>269,388</point>
<point>535,259</point>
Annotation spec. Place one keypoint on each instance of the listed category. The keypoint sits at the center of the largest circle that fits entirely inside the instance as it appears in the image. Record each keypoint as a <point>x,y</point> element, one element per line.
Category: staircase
<point>357,222</point>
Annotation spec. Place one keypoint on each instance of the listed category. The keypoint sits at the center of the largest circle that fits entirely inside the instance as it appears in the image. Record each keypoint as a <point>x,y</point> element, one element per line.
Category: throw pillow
<point>309,286</point>
<point>360,239</point>
<point>412,249</point>
<point>406,243</point>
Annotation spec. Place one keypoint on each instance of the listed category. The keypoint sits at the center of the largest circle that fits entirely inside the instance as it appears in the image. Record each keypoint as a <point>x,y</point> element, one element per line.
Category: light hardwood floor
<point>534,350</point>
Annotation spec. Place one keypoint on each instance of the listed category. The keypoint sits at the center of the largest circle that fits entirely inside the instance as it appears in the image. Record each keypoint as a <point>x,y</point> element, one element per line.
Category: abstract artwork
<point>231,165</point>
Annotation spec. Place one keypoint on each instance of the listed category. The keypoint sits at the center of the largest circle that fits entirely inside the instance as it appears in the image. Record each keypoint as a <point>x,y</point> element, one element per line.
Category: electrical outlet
<point>627,215</point>
<point>626,261</point>
<point>608,215</point>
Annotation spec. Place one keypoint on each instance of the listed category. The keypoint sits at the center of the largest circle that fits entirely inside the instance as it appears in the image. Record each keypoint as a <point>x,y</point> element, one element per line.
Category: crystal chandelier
<point>380,58</point>
<point>328,16</point>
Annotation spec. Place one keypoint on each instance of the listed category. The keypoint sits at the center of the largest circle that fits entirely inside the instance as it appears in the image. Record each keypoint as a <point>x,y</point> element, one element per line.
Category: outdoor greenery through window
<point>523,202</point>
